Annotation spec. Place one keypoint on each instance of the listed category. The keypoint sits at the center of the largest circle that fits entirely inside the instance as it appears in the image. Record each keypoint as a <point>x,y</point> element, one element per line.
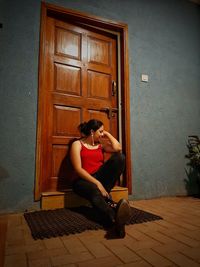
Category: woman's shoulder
<point>76,143</point>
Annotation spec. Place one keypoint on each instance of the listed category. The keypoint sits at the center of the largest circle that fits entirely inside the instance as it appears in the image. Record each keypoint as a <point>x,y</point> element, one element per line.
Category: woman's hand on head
<point>112,145</point>
<point>105,133</point>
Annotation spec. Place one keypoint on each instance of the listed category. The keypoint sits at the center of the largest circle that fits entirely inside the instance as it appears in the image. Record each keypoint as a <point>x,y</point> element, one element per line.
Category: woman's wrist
<point>97,183</point>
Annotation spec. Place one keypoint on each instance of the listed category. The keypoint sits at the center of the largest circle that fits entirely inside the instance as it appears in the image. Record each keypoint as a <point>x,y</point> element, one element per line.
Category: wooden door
<point>79,84</point>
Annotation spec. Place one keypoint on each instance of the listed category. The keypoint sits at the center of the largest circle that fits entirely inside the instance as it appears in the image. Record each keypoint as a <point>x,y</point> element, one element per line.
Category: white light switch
<point>145,78</point>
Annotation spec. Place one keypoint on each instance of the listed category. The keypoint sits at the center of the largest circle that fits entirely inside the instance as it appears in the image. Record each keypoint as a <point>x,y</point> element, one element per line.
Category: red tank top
<point>91,159</point>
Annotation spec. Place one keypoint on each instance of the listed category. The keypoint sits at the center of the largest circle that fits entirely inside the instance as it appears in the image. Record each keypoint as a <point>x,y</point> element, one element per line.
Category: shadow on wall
<point>192,183</point>
<point>66,173</point>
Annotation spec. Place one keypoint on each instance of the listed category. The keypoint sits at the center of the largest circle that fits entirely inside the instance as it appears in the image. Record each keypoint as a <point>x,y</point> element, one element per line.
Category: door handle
<point>109,111</point>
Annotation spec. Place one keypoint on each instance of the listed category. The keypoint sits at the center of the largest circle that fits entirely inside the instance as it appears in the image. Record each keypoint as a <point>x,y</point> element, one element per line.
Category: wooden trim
<point>40,104</point>
<point>126,110</point>
<point>79,17</point>
<point>85,18</point>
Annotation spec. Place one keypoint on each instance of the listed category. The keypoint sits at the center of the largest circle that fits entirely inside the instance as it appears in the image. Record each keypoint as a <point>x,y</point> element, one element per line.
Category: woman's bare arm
<point>112,145</point>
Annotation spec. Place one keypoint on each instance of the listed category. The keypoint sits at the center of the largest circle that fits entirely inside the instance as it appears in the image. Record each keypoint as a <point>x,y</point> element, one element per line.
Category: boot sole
<point>123,212</point>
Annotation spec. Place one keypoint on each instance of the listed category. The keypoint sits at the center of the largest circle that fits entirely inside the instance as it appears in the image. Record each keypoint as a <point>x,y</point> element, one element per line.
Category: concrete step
<point>68,199</point>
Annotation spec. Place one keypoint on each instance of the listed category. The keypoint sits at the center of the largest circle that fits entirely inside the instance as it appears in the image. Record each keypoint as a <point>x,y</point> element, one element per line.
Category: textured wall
<point>19,43</point>
<point>164,42</point>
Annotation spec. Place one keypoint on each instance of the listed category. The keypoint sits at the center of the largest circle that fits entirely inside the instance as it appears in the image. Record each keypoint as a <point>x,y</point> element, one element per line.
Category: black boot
<point>122,216</point>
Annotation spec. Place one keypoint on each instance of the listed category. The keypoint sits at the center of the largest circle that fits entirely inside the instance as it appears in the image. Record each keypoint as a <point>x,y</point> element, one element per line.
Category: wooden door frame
<point>109,25</point>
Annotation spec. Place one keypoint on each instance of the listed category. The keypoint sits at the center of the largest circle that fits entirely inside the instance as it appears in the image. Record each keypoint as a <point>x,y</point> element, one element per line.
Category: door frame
<point>121,30</point>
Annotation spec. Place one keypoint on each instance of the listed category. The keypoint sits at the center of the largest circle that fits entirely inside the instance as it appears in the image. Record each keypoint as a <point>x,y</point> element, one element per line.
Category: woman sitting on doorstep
<point>96,178</point>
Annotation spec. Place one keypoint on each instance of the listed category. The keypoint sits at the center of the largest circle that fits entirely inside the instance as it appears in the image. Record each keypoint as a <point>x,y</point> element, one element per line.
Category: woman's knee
<point>118,158</point>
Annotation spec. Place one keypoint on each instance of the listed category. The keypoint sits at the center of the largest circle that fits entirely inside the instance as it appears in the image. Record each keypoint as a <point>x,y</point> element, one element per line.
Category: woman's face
<point>99,133</point>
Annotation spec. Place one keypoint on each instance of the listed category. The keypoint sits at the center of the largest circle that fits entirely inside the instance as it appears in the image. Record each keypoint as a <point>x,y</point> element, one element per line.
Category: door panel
<point>80,67</point>
<point>67,79</point>
<point>67,42</point>
<point>94,80</point>
<point>98,51</point>
<point>60,125</point>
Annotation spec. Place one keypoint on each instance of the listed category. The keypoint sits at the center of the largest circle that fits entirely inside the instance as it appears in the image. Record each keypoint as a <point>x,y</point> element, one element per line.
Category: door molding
<point>121,30</point>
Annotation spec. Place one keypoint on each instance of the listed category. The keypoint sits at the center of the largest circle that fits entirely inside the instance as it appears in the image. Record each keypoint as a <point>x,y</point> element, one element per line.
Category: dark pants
<point>108,174</point>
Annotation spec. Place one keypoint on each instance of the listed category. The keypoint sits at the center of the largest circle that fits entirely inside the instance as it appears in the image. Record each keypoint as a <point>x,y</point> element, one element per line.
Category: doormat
<point>59,222</point>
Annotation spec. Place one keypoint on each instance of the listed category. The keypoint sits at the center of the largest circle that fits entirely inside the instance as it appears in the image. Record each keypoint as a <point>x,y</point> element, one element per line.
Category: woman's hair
<point>86,127</point>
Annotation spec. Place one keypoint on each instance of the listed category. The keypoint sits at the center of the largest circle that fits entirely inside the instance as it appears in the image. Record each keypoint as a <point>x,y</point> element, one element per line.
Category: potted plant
<point>193,182</point>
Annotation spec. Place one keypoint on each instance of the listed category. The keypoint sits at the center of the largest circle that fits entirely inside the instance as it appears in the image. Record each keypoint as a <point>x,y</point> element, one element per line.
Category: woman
<point>96,177</point>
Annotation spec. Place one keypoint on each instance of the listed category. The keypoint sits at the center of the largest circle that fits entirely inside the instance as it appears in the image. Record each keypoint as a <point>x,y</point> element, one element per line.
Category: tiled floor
<point>173,241</point>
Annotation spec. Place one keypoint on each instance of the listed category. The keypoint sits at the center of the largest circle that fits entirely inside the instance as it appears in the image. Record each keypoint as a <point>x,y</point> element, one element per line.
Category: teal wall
<point>164,43</point>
